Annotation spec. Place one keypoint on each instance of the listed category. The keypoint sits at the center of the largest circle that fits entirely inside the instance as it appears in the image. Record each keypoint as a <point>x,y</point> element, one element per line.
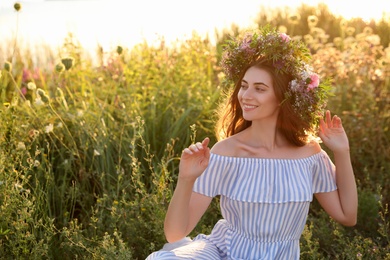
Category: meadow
<point>90,152</point>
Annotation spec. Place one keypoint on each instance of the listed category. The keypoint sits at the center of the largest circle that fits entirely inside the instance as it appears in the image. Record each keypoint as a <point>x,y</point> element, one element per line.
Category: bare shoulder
<point>311,148</point>
<point>234,146</point>
<point>225,147</point>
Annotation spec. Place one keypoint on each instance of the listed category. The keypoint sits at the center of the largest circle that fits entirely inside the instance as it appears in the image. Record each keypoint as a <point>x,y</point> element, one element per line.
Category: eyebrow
<point>256,83</point>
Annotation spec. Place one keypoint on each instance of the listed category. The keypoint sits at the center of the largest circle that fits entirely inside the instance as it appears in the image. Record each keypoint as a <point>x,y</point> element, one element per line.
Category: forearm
<point>346,185</point>
<point>177,217</point>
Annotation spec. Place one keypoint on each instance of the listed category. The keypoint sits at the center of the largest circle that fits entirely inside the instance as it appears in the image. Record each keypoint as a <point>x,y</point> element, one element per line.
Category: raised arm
<point>187,207</point>
<point>341,204</point>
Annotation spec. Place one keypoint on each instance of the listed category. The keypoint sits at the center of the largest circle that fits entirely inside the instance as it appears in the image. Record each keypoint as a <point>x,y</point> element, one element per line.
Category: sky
<point>118,22</point>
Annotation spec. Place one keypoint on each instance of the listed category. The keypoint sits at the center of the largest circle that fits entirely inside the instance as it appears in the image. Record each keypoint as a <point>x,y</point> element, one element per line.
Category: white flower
<point>31,86</point>
<point>37,163</point>
<point>49,128</point>
<point>21,146</point>
<point>96,153</point>
<point>38,101</point>
<point>80,113</point>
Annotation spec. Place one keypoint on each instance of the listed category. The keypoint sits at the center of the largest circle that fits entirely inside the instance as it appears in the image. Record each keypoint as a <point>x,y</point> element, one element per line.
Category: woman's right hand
<point>194,160</point>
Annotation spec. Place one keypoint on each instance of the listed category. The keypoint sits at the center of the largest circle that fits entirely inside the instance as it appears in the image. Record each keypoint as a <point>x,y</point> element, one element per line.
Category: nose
<point>246,94</point>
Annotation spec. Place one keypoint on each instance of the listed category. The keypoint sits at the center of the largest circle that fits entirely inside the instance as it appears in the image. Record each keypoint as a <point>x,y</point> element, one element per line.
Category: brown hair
<point>289,123</point>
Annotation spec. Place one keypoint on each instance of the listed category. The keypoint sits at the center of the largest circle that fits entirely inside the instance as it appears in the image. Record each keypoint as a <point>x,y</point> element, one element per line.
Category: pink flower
<point>314,82</point>
<point>285,37</point>
<point>24,91</point>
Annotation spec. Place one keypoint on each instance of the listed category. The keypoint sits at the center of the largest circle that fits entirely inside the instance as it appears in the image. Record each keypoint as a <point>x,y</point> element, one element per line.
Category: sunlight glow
<point>113,22</point>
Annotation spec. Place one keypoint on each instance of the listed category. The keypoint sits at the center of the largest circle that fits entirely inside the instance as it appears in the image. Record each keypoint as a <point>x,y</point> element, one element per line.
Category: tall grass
<point>90,152</point>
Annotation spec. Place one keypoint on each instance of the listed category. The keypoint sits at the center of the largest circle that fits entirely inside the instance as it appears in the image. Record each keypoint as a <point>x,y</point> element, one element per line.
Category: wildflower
<point>60,67</point>
<point>373,39</point>
<point>285,37</point>
<point>37,163</point>
<point>312,20</point>
<point>80,112</point>
<point>26,75</point>
<point>21,146</point>
<point>308,38</point>
<point>8,66</point>
<point>68,62</point>
<point>49,128</point>
<point>337,41</point>
<point>17,6</point>
<point>367,30</point>
<point>31,86</point>
<point>314,82</point>
<point>350,30</point>
<point>96,153</point>
<point>24,91</point>
<point>39,102</point>
<point>33,133</point>
<point>294,18</point>
<point>343,24</point>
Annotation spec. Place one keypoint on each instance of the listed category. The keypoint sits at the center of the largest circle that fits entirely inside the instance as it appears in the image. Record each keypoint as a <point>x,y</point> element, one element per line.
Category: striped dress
<point>264,204</point>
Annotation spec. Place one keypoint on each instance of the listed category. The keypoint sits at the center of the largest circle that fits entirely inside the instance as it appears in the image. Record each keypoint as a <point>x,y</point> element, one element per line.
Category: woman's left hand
<point>332,133</point>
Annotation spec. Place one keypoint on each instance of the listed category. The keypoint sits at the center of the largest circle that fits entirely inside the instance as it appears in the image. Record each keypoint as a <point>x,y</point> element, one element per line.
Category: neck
<point>265,135</point>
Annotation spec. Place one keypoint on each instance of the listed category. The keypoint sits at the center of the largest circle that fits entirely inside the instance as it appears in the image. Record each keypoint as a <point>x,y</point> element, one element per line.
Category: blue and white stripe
<point>264,204</point>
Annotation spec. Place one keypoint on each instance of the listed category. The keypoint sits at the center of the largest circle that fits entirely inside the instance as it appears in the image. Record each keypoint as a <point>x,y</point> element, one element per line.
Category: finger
<point>322,125</point>
<point>199,146</point>
<point>328,119</point>
<point>193,147</point>
<point>206,142</point>
<point>321,128</point>
<point>338,122</point>
<point>187,151</point>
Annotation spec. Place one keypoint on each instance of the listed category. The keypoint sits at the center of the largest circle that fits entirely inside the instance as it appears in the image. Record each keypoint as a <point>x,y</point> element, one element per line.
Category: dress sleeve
<point>324,174</point>
<point>209,183</point>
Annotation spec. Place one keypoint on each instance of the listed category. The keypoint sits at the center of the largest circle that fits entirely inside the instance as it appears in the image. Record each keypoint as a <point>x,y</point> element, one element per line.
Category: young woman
<point>268,163</point>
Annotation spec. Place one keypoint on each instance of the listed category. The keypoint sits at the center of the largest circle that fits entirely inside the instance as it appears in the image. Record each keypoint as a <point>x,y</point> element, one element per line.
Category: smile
<point>249,106</point>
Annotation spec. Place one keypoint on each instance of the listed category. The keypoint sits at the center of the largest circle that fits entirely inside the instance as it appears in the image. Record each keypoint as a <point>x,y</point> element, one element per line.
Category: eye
<point>244,86</point>
<point>259,89</point>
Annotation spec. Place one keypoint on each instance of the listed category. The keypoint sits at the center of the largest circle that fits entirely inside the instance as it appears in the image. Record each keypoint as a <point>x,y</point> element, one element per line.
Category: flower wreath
<point>306,93</point>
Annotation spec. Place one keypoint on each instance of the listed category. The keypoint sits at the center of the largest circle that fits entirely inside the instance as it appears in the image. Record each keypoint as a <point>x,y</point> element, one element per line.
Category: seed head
<point>68,62</point>
<point>17,6</point>
<point>119,50</point>
<point>8,66</point>
<point>60,67</point>
<point>43,96</point>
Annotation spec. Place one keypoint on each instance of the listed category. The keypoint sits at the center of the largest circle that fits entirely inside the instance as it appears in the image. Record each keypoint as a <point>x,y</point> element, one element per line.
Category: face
<point>257,97</point>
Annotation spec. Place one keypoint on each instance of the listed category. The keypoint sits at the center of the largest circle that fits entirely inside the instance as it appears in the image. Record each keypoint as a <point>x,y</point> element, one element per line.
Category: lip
<point>248,107</point>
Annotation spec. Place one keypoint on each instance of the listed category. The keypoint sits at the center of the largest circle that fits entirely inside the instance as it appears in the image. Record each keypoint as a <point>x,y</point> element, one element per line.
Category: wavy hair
<point>289,123</point>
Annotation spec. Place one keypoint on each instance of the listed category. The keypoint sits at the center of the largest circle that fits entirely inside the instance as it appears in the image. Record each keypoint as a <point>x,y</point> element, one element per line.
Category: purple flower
<point>285,37</point>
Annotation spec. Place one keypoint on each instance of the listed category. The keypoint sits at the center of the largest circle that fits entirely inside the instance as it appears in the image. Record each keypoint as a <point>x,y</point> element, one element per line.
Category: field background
<point>90,147</point>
